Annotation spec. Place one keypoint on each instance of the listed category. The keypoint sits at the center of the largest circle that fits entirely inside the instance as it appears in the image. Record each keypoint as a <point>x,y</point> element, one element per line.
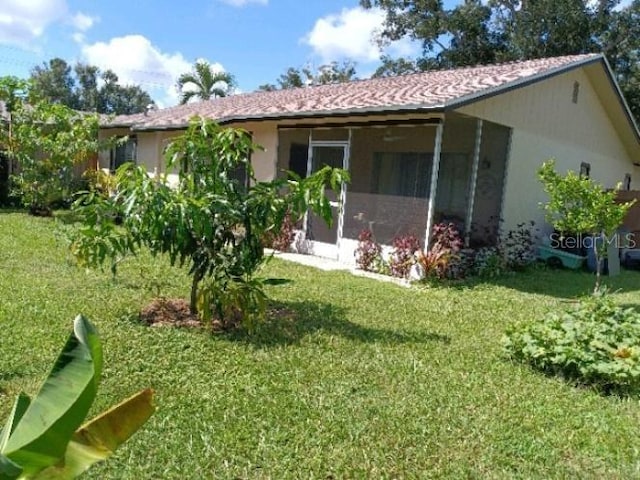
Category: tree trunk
<point>598,256</point>
<point>193,304</point>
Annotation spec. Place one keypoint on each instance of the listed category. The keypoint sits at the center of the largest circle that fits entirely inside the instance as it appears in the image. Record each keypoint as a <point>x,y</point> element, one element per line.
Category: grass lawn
<point>369,380</point>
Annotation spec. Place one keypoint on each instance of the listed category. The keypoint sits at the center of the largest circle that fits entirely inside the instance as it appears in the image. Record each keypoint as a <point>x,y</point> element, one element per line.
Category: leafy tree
<point>78,88</point>
<point>87,94</point>
<point>47,140</point>
<point>113,98</point>
<point>53,82</point>
<point>211,221</point>
<point>13,92</point>
<point>330,73</point>
<point>203,83</point>
<point>578,205</point>
<point>481,32</point>
<point>392,67</point>
<point>267,87</point>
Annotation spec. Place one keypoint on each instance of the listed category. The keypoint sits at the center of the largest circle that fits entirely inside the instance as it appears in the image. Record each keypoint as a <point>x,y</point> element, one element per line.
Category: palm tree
<point>206,83</point>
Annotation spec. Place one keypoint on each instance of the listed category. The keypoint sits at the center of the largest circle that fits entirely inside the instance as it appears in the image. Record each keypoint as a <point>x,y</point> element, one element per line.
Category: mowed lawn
<point>366,380</point>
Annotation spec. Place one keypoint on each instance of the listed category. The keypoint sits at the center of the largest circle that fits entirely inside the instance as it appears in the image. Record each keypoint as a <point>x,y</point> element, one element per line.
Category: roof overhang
<point>309,116</point>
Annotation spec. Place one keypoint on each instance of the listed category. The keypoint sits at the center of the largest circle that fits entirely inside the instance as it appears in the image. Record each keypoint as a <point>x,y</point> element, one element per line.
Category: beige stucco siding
<point>264,160</point>
<point>548,124</point>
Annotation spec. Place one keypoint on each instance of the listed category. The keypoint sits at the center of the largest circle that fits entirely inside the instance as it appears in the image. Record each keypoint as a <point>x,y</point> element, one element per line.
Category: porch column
<point>346,160</point>
<point>474,182</point>
<point>435,172</point>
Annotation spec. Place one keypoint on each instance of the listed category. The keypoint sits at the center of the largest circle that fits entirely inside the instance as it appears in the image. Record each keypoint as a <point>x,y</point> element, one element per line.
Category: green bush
<point>597,344</point>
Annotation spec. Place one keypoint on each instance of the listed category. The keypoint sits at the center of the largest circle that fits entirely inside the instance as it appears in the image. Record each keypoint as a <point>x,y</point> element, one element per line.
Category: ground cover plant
<point>348,378</point>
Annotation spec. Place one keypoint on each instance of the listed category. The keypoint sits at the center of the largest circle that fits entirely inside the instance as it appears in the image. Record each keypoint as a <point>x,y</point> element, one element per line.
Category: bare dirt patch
<point>175,312</point>
<point>169,312</point>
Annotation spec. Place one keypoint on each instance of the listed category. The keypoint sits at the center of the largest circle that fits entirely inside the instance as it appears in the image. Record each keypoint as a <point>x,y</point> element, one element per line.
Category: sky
<point>151,42</point>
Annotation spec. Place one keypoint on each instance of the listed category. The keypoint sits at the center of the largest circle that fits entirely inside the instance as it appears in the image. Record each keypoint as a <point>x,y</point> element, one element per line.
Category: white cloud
<point>351,35</point>
<point>21,21</point>
<point>137,61</point>
<point>242,3</point>
<point>82,21</point>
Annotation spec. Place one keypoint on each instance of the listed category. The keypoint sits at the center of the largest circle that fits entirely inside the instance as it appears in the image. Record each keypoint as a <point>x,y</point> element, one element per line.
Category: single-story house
<point>459,145</point>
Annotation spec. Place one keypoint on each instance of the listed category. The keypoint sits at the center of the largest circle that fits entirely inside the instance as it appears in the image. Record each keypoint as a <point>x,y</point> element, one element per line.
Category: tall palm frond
<point>204,83</point>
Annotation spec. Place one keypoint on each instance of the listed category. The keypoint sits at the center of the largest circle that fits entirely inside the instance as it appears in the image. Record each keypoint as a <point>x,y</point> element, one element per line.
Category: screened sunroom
<point>406,176</point>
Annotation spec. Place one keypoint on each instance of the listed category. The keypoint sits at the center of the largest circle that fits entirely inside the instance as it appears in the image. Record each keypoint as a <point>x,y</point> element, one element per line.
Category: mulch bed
<point>169,312</point>
<point>175,312</point>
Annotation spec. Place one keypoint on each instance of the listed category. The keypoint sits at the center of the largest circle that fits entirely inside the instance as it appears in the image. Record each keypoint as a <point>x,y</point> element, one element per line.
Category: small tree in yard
<point>47,141</point>
<point>212,221</point>
<point>578,205</point>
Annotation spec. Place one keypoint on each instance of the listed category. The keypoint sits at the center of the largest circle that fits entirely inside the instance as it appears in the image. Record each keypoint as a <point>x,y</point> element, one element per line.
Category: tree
<point>53,82</point>
<point>392,67</point>
<point>47,140</point>
<point>210,221</point>
<point>203,83</point>
<point>330,73</point>
<point>87,94</point>
<point>13,92</point>
<point>578,205</point>
<point>78,88</point>
<point>118,100</point>
<point>479,32</point>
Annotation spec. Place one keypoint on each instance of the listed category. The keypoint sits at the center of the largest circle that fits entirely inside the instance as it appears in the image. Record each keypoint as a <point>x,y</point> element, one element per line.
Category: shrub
<point>488,263</point>
<point>281,239</point>
<point>595,344</point>
<point>369,252</point>
<point>443,258</point>
<point>519,246</point>
<point>403,255</point>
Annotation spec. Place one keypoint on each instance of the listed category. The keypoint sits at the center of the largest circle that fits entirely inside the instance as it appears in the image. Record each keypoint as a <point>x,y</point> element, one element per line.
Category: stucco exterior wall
<point>548,124</point>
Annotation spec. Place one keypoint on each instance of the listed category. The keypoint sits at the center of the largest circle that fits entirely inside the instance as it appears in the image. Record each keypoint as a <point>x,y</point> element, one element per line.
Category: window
<point>123,153</point>
<point>403,174</point>
<point>627,182</point>
<point>585,170</point>
<point>298,155</point>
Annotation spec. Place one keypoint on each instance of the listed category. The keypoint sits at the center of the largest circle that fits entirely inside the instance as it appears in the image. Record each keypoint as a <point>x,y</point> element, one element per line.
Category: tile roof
<point>421,91</point>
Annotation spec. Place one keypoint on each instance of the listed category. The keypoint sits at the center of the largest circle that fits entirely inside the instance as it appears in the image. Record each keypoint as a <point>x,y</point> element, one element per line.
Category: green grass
<point>368,381</point>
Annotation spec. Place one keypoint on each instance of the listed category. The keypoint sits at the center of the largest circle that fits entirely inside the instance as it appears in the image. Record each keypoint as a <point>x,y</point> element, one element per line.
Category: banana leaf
<point>98,439</point>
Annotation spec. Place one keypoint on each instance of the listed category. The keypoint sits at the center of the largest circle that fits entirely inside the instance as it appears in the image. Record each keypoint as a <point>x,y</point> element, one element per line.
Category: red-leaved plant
<point>369,252</point>
<point>442,259</point>
<point>403,255</point>
<point>283,238</point>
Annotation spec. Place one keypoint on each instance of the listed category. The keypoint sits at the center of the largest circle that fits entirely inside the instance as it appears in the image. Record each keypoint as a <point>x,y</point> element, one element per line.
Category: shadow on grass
<point>67,217</point>
<point>558,283</point>
<point>289,322</point>
<point>9,210</point>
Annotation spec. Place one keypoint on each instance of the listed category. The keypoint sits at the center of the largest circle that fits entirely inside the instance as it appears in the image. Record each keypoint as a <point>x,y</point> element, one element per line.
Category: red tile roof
<point>421,91</point>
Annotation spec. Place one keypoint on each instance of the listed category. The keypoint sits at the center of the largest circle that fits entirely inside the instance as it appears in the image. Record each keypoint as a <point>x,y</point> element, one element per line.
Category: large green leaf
<point>21,405</point>
<point>39,440</point>
<point>98,439</point>
<point>8,469</point>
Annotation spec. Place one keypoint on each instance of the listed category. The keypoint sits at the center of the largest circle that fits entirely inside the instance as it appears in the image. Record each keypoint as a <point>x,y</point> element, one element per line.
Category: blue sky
<point>150,42</point>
